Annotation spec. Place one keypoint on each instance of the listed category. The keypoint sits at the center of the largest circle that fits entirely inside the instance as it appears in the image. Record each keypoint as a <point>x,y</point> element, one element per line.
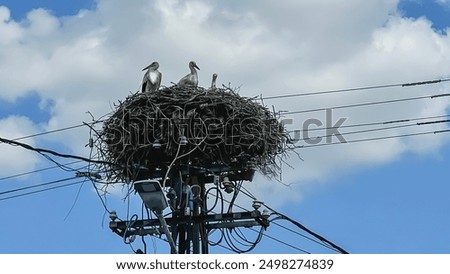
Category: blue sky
<point>27,106</point>
<point>377,197</point>
<point>433,10</point>
<point>19,11</point>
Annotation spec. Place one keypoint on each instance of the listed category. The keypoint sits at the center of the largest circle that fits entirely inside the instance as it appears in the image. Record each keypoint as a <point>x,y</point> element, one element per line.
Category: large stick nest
<point>191,126</point>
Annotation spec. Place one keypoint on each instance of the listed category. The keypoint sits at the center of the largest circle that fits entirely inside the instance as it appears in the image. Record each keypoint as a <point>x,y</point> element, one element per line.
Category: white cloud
<point>10,30</point>
<point>41,23</point>
<point>14,160</point>
<point>87,61</point>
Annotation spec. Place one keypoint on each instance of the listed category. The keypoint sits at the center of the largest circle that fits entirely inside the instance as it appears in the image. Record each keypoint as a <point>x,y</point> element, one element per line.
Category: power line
<point>35,186</point>
<point>36,171</point>
<point>368,103</point>
<point>325,243</point>
<point>266,98</point>
<point>378,129</point>
<point>41,190</point>
<point>376,138</point>
<point>57,130</point>
<point>312,129</point>
<point>357,89</point>
<point>282,242</point>
<point>248,194</point>
<point>328,243</point>
<point>264,234</point>
<point>48,132</point>
<point>286,113</point>
<point>375,123</point>
<point>43,151</point>
<point>274,97</point>
<point>298,233</point>
<point>343,126</point>
<point>302,227</point>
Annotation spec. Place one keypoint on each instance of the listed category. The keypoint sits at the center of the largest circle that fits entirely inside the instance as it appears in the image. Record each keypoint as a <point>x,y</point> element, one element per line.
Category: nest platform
<point>194,131</point>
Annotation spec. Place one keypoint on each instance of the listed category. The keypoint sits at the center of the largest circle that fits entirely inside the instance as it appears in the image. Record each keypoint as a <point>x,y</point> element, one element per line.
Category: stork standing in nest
<point>152,78</point>
<point>192,78</point>
<point>213,82</point>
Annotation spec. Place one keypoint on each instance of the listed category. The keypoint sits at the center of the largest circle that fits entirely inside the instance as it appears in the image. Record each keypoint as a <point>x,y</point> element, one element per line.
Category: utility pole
<point>190,223</point>
<point>189,140</point>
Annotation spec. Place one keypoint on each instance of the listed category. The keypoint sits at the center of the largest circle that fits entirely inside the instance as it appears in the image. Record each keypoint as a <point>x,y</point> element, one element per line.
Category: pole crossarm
<point>211,221</point>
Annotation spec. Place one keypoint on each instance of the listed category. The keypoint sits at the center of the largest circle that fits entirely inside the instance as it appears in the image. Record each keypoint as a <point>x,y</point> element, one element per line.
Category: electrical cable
<point>248,194</point>
<point>210,242</point>
<point>42,150</point>
<point>367,104</point>
<point>35,171</point>
<point>375,138</point>
<point>35,186</point>
<point>283,242</point>
<point>75,200</point>
<point>377,129</point>
<point>237,188</point>
<point>435,81</point>
<point>39,191</point>
<point>228,237</point>
<point>358,89</point>
<point>267,235</point>
<point>47,132</point>
<point>374,123</point>
<point>57,130</point>
<point>250,246</point>
<point>130,224</point>
<point>242,237</point>
<point>219,193</point>
<point>302,227</point>
<point>299,234</point>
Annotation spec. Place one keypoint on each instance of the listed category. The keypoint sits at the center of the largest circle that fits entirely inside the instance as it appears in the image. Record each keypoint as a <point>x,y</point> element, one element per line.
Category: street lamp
<point>153,196</point>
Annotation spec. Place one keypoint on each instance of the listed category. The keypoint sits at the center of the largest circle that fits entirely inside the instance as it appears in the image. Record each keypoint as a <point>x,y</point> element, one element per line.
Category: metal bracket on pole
<point>211,221</point>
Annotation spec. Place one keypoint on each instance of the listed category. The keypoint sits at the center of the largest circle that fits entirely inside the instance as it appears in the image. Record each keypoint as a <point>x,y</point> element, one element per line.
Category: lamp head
<point>152,194</point>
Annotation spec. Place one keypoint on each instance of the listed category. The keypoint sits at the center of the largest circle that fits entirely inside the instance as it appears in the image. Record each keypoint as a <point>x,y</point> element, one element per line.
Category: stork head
<point>193,65</point>
<point>153,66</point>
<point>214,76</point>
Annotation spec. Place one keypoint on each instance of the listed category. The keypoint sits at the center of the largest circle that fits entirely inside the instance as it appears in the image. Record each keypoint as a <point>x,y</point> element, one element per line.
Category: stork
<point>152,78</point>
<point>213,82</point>
<point>192,78</point>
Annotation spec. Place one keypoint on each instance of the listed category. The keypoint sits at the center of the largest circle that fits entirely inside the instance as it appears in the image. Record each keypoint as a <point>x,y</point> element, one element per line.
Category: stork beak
<point>146,67</point>
<point>195,66</point>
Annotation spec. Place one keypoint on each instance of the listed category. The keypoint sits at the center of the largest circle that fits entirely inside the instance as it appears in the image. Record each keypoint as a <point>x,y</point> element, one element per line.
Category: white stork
<point>152,78</point>
<point>213,82</point>
<point>192,78</point>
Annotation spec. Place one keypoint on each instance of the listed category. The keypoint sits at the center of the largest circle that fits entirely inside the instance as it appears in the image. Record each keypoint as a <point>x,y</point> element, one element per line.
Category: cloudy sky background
<point>57,62</point>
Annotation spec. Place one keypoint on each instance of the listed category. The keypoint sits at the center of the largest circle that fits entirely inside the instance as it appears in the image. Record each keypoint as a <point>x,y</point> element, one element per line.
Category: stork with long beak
<point>192,78</point>
<point>152,78</point>
<point>213,82</point>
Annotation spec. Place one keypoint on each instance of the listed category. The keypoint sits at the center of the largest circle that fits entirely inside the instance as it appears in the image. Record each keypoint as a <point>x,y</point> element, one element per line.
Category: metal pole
<point>196,190</point>
<point>204,231</point>
<point>173,246</point>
